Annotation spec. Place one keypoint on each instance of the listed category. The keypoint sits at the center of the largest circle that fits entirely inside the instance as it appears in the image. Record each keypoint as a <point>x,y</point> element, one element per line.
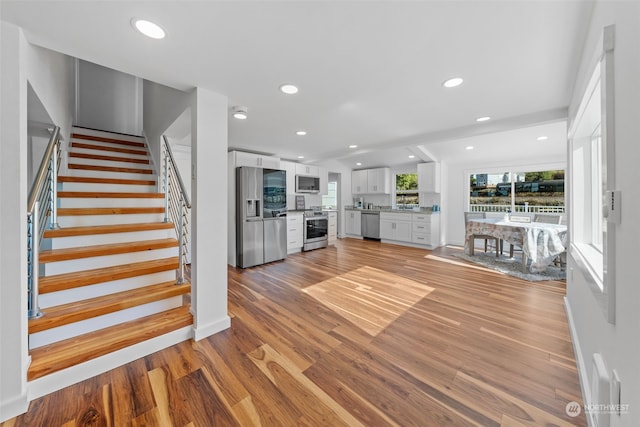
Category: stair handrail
<point>176,205</point>
<point>42,201</point>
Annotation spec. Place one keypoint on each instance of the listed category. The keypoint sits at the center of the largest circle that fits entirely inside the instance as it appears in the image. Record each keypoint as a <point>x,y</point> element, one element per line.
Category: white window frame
<point>594,258</point>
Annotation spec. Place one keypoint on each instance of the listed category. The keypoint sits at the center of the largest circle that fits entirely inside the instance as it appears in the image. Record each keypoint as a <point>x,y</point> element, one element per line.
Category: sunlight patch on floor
<point>368,297</point>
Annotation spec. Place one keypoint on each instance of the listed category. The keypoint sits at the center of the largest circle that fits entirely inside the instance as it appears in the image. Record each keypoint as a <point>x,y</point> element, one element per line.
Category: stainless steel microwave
<point>307,184</point>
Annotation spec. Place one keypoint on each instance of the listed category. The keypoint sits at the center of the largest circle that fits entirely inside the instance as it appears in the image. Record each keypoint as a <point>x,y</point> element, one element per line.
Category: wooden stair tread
<point>93,180</point>
<point>106,229</point>
<point>109,211</point>
<point>105,139</point>
<point>77,279</point>
<point>108,148</point>
<point>73,351</point>
<point>110,169</point>
<point>66,254</point>
<point>108,158</point>
<point>94,307</point>
<point>108,195</point>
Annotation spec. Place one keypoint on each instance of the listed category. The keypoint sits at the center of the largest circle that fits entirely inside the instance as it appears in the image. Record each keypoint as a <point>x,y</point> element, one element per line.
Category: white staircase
<point>108,275</point>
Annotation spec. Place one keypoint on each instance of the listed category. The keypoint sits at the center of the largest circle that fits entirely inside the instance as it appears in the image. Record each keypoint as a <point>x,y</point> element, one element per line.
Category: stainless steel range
<point>316,226</point>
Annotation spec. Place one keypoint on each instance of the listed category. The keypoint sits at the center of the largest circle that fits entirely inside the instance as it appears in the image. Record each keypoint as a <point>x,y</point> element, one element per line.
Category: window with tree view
<point>537,191</point>
<point>407,190</point>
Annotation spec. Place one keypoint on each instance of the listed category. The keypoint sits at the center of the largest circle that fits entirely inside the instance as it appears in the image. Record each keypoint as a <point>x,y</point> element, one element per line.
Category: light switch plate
<point>616,386</point>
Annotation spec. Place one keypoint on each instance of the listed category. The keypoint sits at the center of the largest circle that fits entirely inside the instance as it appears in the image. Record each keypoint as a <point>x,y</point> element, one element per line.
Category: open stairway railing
<point>177,205</point>
<point>41,203</point>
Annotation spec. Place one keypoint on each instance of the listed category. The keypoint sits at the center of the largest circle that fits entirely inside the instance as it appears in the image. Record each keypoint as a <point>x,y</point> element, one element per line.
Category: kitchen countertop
<point>427,211</point>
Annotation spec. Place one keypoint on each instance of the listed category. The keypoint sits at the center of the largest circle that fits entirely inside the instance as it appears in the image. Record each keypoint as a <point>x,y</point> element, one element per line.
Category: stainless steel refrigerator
<point>261,216</point>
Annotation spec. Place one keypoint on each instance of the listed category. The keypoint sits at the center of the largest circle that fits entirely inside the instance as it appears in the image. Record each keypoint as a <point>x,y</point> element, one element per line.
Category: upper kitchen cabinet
<point>379,181</point>
<point>256,160</point>
<point>359,181</point>
<point>371,181</point>
<point>323,173</point>
<point>307,170</point>
<point>429,177</point>
<point>290,168</point>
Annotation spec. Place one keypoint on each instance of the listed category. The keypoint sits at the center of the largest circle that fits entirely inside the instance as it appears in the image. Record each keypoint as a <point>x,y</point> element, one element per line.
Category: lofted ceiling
<point>370,73</point>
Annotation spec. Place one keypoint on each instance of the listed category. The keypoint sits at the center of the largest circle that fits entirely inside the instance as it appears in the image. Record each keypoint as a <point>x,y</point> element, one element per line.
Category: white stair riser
<point>105,134</point>
<point>110,175</point>
<point>97,150</point>
<point>89,220</point>
<point>100,289</point>
<point>110,163</point>
<point>94,202</point>
<point>104,239</point>
<point>100,188</point>
<point>61,267</point>
<point>78,328</point>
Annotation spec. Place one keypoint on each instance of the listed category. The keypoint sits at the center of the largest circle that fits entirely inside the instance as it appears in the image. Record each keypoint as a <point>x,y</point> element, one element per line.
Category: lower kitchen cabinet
<point>295,237</point>
<point>333,228</point>
<point>395,226</point>
<point>353,223</point>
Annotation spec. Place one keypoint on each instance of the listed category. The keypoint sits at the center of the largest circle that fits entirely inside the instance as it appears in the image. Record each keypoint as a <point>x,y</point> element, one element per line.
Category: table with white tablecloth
<point>540,242</point>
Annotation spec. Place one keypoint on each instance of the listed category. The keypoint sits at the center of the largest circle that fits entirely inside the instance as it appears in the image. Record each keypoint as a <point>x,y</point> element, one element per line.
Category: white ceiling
<point>370,73</point>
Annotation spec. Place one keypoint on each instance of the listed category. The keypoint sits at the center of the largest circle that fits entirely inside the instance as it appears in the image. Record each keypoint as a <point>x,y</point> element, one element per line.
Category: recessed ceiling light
<point>469,147</point>
<point>542,138</point>
<point>301,157</point>
<point>456,81</point>
<point>483,119</point>
<point>148,28</point>
<point>353,146</point>
<point>301,133</point>
<point>289,89</point>
<point>411,156</point>
<point>239,113</point>
<point>358,164</point>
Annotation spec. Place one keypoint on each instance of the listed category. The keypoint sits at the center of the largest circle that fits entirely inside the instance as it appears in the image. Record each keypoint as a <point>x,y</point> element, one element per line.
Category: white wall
<point>618,344</point>
<point>108,99</point>
<point>51,76</point>
<point>162,107</point>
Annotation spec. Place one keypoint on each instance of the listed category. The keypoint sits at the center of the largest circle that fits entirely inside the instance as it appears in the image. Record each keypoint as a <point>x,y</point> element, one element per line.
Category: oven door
<point>316,229</point>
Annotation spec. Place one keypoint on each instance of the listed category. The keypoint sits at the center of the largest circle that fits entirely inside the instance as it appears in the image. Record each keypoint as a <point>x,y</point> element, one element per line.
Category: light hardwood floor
<point>362,333</point>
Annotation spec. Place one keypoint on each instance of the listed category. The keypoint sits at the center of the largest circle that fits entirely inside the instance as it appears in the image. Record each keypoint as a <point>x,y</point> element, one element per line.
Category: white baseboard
<point>204,331</point>
<point>583,375</point>
<point>13,407</point>
<point>91,368</point>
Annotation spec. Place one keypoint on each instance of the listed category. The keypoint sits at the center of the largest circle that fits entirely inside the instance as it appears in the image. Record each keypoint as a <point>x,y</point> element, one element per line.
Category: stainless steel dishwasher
<point>371,224</point>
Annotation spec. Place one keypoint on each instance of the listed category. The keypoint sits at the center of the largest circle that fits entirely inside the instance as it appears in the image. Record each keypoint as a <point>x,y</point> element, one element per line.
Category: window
<point>407,190</point>
<point>591,138</point>
<point>533,191</point>
<point>330,200</point>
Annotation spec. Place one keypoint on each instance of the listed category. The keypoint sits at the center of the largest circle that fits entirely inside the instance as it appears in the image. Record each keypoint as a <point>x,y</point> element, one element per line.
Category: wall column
<point>209,213</point>
<point>13,233</point>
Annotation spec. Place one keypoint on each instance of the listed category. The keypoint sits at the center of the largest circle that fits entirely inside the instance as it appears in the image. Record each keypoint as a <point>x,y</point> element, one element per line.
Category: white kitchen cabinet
<point>256,160</point>
<point>359,180</point>
<point>429,177</point>
<point>295,237</point>
<point>353,223</point>
<point>395,226</point>
<point>290,168</point>
<point>323,174</point>
<point>379,181</point>
<point>307,170</point>
<point>333,228</point>
<point>426,229</point>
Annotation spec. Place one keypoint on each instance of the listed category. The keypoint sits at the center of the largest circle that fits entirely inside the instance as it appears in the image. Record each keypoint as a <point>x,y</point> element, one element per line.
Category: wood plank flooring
<point>469,347</point>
